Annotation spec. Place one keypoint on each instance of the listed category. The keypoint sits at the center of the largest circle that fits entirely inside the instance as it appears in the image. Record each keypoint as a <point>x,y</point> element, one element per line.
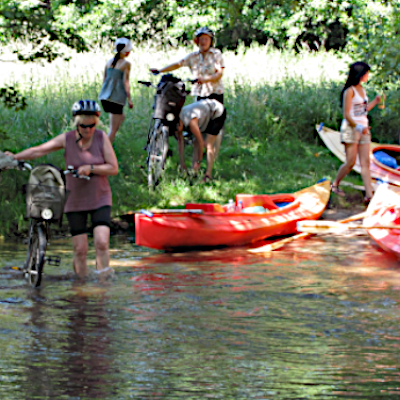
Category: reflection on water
<point>316,320</point>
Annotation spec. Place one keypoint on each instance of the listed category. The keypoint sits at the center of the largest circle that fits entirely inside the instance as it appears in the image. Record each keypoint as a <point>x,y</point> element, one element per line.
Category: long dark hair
<point>120,47</point>
<point>357,71</point>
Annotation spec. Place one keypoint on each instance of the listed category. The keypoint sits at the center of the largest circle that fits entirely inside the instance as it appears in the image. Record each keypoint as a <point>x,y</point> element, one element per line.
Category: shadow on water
<point>315,320</point>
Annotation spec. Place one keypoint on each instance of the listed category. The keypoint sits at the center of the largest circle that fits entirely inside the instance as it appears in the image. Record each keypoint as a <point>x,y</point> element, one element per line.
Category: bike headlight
<point>170,117</point>
<point>47,213</point>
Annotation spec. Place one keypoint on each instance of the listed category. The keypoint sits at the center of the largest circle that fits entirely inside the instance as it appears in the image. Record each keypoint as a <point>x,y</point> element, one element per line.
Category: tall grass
<point>273,99</point>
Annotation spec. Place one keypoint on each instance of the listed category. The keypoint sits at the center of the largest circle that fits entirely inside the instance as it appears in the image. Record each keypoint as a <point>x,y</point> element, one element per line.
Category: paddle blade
<point>321,227</point>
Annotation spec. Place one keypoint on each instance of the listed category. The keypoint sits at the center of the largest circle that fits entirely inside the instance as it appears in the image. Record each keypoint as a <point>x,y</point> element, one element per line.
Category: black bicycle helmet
<point>203,31</point>
<point>86,107</point>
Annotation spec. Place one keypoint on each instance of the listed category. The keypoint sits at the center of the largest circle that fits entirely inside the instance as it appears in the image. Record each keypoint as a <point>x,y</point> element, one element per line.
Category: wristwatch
<point>91,168</point>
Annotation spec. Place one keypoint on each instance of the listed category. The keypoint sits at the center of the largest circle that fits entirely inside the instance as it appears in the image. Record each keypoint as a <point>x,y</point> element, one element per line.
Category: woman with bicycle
<point>90,152</point>
<point>207,66</point>
<point>115,89</point>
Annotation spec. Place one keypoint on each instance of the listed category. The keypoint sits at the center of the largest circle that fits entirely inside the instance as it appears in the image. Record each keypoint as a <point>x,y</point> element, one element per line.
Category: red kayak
<point>384,209</point>
<point>210,225</point>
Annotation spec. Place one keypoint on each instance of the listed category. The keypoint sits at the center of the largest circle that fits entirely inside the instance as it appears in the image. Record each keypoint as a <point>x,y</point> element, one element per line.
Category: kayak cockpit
<point>260,203</point>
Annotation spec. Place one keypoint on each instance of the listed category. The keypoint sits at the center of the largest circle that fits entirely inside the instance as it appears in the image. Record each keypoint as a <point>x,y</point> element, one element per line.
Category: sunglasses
<point>87,126</point>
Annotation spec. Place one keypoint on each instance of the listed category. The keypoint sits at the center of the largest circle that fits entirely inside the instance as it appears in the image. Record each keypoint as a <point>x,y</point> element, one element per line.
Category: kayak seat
<point>206,207</point>
<point>253,200</point>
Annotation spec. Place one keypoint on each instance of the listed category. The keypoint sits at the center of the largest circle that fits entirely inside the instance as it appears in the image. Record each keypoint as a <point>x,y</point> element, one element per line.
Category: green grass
<point>273,101</point>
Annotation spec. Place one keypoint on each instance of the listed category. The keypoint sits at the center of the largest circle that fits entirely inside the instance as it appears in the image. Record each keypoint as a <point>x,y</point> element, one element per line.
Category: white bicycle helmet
<point>86,107</point>
<point>203,31</point>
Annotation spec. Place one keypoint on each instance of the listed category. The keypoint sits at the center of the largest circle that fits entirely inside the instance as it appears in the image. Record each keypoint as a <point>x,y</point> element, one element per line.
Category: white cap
<point>124,41</point>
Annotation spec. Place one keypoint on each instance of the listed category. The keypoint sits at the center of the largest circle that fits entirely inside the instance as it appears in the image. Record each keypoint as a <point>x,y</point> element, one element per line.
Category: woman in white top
<point>355,131</point>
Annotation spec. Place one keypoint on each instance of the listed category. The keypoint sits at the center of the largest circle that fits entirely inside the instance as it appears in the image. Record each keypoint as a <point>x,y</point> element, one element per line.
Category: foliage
<point>83,24</point>
<point>376,41</point>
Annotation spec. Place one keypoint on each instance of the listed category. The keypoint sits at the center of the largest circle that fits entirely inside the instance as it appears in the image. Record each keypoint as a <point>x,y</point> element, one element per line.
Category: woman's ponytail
<point>120,47</point>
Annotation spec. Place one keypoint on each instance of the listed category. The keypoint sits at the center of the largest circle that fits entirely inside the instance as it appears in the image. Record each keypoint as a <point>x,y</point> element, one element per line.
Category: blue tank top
<point>113,89</point>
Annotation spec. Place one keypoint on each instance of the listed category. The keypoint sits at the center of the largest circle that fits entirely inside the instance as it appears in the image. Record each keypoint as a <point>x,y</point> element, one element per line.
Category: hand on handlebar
<point>84,170</point>
<point>200,80</point>
<point>154,71</point>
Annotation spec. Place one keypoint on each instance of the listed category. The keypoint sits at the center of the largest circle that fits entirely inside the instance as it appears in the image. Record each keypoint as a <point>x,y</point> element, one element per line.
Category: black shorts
<point>78,219</point>
<point>113,108</point>
<point>215,96</point>
<point>215,125</point>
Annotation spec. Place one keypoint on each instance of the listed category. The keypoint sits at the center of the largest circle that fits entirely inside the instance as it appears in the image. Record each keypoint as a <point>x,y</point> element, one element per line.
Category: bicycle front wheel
<point>36,253</point>
<point>157,153</point>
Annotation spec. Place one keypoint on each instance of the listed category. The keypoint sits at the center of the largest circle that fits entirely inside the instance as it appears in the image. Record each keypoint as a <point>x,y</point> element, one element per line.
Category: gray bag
<point>45,190</point>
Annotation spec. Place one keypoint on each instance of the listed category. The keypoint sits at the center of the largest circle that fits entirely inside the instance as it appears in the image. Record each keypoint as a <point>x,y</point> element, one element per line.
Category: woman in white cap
<point>115,89</point>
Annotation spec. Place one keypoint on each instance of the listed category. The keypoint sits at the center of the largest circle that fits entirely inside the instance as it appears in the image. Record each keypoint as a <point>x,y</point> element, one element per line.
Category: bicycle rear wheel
<point>36,253</point>
<point>157,153</point>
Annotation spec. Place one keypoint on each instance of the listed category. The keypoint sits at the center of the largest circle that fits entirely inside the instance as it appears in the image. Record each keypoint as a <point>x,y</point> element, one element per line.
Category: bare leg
<point>195,151</point>
<point>351,157</point>
<point>181,147</point>
<point>80,244</point>
<point>210,145</point>
<point>115,122</point>
<point>217,144</point>
<point>101,235</point>
<point>363,153</point>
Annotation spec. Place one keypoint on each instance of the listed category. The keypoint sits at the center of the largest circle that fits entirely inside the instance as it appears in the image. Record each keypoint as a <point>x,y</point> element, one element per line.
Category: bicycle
<point>42,210</point>
<point>168,101</point>
<point>39,230</point>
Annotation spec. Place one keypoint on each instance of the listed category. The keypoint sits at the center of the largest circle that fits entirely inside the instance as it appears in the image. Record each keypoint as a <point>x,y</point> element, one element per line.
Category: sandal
<point>366,200</point>
<point>207,179</point>
<point>336,189</point>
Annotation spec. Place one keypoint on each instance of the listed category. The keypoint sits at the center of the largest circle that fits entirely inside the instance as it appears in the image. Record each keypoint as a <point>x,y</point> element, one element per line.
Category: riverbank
<point>273,100</point>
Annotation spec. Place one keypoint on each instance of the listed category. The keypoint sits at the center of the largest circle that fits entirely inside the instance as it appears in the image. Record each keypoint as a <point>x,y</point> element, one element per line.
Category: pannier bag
<point>45,191</point>
<point>170,98</point>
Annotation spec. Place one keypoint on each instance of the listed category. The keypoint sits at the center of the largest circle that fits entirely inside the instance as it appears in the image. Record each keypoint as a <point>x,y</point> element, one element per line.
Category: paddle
<point>280,243</point>
<point>336,227</point>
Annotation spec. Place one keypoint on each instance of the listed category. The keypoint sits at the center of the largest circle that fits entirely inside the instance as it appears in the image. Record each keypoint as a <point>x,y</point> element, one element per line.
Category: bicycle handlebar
<point>74,172</point>
<point>149,84</point>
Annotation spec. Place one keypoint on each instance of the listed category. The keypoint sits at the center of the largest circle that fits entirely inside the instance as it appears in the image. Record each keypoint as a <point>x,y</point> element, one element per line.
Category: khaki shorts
<point>350,135</point>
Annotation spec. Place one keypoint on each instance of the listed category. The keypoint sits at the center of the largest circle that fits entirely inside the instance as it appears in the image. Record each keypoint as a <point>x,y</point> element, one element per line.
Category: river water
<point>318,319</point>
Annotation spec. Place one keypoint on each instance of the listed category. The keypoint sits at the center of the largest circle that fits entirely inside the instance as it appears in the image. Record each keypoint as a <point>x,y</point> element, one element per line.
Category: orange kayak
<point>379,170</point>
<point>384,209</point>
<point>210,225</point>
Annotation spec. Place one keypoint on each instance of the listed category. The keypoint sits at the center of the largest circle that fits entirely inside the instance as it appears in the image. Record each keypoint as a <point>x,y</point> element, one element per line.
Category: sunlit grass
<point>273,99</point>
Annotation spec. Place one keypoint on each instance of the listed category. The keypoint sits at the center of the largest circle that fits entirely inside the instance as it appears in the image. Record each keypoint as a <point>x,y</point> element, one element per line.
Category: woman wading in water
<point>89,151</point>
<point>115,90</point>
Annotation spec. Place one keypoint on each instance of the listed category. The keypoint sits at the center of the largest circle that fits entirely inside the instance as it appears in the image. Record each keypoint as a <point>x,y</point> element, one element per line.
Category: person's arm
<point>194,128</point>
<point>168,68</point>
<point>105,72</point>
<point>181,145</point>
<point>110,166</point>
<point>374,102</point>
<point>211,78</point>
<point>126,83</point>
<point>39,151</point>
